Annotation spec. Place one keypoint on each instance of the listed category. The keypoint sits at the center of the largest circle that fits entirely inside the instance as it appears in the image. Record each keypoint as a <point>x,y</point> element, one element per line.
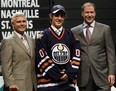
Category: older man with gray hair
<point>18,57</point>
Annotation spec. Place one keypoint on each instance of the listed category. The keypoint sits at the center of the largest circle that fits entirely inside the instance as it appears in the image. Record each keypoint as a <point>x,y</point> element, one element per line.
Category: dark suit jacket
<point>18,64</point>
<point>98,56</point>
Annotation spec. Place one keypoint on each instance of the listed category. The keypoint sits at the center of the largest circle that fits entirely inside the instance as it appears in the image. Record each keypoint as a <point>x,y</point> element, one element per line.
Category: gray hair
<point>17,14</point>
<point>87,4</point>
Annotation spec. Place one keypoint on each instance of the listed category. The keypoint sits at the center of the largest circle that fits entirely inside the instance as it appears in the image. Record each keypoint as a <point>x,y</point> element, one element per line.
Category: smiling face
<point>88,14</point>
<point>19,24</point>
<point>57,19</point>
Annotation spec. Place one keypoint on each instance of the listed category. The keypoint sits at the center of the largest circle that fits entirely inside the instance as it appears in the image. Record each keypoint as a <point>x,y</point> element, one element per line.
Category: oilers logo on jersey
<point>60,53</point>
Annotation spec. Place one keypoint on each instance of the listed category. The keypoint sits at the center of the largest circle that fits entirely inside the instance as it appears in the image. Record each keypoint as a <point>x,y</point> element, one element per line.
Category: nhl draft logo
<point>60,53</point>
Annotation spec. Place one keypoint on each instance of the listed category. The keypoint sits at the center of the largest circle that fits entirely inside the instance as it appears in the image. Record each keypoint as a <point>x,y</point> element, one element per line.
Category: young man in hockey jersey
<point>58,59</point>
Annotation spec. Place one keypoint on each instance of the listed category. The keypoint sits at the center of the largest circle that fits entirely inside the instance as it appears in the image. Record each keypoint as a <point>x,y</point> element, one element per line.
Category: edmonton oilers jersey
<point>55,54</point>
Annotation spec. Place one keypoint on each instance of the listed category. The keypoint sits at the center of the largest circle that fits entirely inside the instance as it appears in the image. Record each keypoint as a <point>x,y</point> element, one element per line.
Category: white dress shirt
<point>91,28</point>
<point>57,31</point>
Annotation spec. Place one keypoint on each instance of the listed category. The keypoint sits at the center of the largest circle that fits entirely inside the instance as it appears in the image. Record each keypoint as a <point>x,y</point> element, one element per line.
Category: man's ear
<point>81,13</point>
<point>50,15</point>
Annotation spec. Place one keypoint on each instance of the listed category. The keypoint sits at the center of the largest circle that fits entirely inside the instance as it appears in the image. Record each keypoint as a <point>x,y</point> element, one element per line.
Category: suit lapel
<point>30,46</point>
<point>95,32</point>
<point>81,33</point>
<point>20,43</point>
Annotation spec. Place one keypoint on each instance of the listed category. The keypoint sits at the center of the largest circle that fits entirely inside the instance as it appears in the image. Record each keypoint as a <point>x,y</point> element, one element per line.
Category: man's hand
<point>111,80</point>
<point>65,76</point>
<point>13,88</point>
<point>75,81</point>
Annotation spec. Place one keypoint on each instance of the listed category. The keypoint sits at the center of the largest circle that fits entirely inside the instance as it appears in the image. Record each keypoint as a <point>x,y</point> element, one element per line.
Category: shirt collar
<point>92,24</point>
<point>19,35</point>
<point>55,29</point>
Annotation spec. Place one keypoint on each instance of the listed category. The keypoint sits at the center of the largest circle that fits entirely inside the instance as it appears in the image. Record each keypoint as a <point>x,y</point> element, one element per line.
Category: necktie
<point>58,32</point>
<point>88,33</point>
<point>25,42</point>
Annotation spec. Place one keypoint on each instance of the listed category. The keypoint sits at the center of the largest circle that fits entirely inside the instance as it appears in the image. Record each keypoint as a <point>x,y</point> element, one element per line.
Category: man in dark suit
<point>18,57</point>
<point>97,70</point>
